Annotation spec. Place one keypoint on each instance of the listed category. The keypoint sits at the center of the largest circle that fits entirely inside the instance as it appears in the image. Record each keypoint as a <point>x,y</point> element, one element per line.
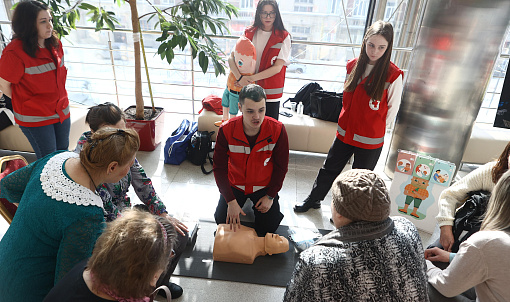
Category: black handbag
<point>326,105</point>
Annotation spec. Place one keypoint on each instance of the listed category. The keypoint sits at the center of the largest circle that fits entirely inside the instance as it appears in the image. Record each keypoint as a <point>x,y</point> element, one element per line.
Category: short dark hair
<point>104,114</point>
<point>253,92</point>
<point>24,26</point>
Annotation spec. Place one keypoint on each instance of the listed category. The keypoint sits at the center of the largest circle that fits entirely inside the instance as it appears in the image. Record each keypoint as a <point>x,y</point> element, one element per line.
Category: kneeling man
<point>251,159</point>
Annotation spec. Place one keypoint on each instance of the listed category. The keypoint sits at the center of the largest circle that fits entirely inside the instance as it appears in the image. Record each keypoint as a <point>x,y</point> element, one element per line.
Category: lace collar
<point>59,187</point>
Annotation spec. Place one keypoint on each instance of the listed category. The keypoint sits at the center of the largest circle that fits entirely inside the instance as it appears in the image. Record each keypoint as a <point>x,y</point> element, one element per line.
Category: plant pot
<point>150,132</point>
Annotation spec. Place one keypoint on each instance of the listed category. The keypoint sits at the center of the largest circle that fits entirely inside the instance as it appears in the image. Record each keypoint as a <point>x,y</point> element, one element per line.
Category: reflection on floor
<point>186,191</point>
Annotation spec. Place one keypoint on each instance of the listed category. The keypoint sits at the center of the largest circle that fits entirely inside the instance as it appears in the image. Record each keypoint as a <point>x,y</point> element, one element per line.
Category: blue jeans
<point>48,139</point>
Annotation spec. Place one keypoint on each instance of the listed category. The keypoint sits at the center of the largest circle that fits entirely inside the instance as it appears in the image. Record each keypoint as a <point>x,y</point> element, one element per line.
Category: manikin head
<point>252,103</point>
<point>245,56</point>
<point>276,244</point>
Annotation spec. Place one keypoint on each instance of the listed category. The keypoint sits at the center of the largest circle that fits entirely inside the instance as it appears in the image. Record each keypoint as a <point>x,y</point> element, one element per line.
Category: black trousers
<point>273,109</point>
<point>264,222</point>
<point>179,247</point>
<point>338,156</point>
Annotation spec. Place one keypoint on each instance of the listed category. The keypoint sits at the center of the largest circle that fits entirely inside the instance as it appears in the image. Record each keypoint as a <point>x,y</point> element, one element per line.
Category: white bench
<point>305,133</point>
<point>485,144</point>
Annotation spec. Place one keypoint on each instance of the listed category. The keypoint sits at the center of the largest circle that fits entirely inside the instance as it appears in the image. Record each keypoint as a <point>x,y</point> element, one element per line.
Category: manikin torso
<point>243,245</point>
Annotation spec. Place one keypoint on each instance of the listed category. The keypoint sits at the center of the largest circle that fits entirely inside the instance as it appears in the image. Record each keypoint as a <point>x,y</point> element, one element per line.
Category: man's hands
<point>180,227</point>
<point>264,204</point>
<point>446,237</point>
<point>233,212</point>
<point>437,254</point>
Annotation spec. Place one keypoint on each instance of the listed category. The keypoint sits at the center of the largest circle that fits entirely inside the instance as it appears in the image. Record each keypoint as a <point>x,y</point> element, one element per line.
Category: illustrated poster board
<point>414,193</point>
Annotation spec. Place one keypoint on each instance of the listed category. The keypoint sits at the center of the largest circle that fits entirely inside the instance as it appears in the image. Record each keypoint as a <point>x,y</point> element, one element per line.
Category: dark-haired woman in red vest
<point>272,44</point>
<point>372,95</point>
<point>33,75</point>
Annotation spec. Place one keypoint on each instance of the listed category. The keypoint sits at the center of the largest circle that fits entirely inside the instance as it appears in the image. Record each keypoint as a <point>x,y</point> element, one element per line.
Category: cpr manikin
<point>243,245</point>
<point>244,59</point>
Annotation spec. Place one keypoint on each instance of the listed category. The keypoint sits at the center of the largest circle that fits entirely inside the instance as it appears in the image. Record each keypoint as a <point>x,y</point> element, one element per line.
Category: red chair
<point>12,163</point>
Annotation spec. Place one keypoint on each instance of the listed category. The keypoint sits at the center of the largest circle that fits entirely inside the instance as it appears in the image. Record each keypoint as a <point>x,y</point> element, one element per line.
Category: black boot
<point>306,205</point>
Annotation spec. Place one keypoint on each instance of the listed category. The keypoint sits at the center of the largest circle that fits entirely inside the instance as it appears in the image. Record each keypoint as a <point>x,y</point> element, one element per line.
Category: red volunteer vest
<point>273,86</point>
<point>362,121</point>
<point>250,169</point>
<point>39,98</point>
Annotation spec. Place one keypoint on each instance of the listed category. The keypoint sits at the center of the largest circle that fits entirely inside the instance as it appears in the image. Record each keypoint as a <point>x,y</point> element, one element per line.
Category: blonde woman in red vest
<point>33,75</point>
<point>272,44</point>
<point>372,94</point>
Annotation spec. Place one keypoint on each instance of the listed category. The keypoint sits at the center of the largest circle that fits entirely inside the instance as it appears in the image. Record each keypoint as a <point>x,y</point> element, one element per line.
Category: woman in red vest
<point>372,95</point>
<point>272,44</point>
<point>33,74</point>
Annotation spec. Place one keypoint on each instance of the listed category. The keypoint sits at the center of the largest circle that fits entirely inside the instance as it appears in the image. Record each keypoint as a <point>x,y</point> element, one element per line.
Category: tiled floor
<point>185,190</point>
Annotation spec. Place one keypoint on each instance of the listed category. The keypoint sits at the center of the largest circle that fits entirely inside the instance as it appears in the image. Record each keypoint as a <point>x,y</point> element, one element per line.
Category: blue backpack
<point>176,145</point>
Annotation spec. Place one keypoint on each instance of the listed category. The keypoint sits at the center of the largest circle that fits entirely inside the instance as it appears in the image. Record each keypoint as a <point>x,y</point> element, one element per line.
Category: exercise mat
<point>197,261</point>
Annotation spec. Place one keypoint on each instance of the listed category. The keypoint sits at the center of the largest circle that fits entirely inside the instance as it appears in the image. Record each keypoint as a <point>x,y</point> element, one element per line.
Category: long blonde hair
<point>497,217</point>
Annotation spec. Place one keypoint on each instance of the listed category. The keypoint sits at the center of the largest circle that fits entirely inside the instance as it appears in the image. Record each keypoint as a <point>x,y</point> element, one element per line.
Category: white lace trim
<point>59,187</point>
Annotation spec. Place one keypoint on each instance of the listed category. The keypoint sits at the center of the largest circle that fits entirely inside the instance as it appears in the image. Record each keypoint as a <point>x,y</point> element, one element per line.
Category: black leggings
<point>338,156</point>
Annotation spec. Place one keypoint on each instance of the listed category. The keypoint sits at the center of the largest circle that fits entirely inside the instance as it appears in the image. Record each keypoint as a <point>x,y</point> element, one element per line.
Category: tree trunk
<point>138,72</point>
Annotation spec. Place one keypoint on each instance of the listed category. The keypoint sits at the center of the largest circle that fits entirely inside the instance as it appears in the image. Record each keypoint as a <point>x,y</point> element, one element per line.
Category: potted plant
<point>190,22</point>
<point>186,23</point>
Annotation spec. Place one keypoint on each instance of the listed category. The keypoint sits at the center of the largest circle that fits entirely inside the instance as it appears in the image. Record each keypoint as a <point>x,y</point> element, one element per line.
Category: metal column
<point>451,65</point>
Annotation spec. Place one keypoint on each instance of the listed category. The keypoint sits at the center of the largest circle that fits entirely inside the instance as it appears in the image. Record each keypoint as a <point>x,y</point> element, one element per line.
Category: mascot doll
<point>415,191</point>
<point>244,59</point>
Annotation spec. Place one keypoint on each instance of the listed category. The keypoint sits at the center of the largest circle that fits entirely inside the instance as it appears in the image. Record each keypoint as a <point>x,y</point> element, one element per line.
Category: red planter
<point>150,132</point>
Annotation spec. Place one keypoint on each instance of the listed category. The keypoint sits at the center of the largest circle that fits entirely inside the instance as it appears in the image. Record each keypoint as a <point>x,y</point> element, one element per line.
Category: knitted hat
<point>361,195</point>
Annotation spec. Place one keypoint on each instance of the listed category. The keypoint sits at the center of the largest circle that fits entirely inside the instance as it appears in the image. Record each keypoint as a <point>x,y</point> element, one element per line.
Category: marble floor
<point>187,191</point>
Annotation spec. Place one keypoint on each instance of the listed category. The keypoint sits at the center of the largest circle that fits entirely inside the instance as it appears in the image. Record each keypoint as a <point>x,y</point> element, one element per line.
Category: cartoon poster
<point>415,195</point>
<point>405,162</point>
<point>423,167</point>
<point>442,173</point>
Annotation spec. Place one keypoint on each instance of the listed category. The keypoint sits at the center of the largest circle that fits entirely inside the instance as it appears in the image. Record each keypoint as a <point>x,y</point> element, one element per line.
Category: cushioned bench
<point>11,138</point>
<point>314,135</point>
<point>305,133</point>
<point>485,144</point>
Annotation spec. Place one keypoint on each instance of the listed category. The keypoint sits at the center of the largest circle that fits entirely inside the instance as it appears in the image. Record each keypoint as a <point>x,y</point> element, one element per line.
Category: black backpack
<point>303,96</point>
<point>199,148</point>
<point>468,218</point>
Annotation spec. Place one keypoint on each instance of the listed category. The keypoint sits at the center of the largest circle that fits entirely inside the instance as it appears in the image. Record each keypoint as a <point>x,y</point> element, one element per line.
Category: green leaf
<point>161,50</point>
<point>86,6</point>
<point>99,25</point>
<point>110,24</point>
<point>203,61</point>
<point>169,55</point>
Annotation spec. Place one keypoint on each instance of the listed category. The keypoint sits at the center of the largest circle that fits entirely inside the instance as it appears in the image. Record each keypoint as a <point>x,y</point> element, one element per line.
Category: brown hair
<point>376,80</point>
<point>24,26</point>
<point>104,114</point>
<point>108,145</point>
<point>130,252</point>
<point>497,217</point>
<point>502,164</point>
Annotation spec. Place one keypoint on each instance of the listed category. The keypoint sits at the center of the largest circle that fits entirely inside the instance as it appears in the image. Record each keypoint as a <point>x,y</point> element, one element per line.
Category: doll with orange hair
<point>244,58</point>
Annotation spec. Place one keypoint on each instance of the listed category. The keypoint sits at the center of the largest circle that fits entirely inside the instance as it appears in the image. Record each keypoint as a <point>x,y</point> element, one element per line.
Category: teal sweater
<point>48,235</point>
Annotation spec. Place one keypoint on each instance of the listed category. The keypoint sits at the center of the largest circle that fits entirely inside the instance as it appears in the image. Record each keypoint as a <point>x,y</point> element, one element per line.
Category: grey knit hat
<point>360,194</point>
